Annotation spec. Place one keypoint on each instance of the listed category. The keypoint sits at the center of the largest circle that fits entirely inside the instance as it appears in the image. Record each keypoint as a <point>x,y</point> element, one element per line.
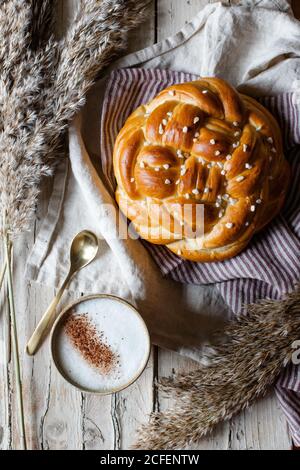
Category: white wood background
<point>57,416</point>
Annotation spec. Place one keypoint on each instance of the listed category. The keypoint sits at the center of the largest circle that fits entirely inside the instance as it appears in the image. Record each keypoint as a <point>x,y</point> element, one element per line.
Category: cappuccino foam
<point>123,332</point>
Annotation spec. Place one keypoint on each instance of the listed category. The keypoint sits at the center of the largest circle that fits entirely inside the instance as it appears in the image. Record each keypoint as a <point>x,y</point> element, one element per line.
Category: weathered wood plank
<point>61,424</point>
<point>172,15</point>
<point>36,371</point>
<point>170,364</point>
<point>5,391</point>
<point>145,34</point>
<point>262,426</point>
<point>252,428</point>
<point>111,422</point>
<point>53,409</point>
<point>131,407</point>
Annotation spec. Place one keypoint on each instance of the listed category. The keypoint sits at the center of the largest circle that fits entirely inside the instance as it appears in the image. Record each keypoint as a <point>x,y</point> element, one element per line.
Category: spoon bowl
<point>84,249</point>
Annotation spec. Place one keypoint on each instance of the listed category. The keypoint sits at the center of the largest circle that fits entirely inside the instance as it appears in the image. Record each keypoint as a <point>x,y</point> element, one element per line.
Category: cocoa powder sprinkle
<point>90,343</point>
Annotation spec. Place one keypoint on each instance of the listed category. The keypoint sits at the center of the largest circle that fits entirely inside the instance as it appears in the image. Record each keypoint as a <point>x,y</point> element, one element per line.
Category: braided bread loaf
<point>200,144</point>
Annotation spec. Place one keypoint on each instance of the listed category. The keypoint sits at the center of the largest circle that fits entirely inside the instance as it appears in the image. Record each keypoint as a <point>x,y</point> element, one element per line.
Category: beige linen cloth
<point>255,46</point>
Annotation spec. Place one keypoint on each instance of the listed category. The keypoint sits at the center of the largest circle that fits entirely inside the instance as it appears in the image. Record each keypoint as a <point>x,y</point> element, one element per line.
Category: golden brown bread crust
<point>200,144</point>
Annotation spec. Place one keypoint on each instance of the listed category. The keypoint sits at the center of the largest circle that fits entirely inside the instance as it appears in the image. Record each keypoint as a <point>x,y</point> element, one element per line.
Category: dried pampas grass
<point>43,83</point>
<point>241,369</point>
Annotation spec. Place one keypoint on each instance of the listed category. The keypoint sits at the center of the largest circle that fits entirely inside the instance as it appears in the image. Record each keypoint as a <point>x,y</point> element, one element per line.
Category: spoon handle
<point>46,321</point>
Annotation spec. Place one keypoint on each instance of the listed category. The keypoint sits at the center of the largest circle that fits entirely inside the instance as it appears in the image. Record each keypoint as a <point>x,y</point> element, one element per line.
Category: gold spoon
<point>83,251</point>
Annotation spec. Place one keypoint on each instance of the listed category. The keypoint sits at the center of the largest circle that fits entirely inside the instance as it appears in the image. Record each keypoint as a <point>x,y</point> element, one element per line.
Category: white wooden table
<point>57,416</point>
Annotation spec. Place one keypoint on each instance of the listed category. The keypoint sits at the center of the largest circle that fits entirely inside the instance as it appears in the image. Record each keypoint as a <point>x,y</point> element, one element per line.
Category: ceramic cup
<point>100,344</point>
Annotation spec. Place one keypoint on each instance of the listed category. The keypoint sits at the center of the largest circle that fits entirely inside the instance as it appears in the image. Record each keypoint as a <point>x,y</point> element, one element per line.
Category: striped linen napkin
<point>270,266</point>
